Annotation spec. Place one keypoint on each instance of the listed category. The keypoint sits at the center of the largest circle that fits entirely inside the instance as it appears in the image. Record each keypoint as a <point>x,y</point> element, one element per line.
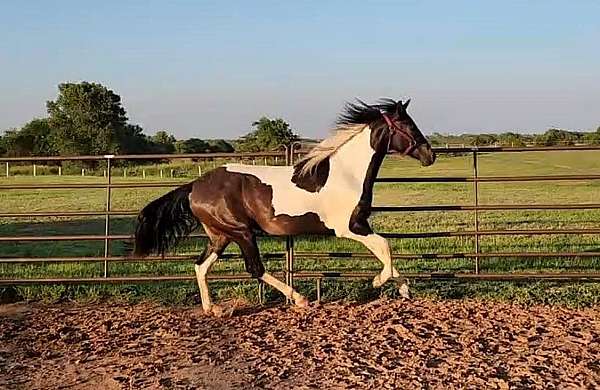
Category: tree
<point>165,141</point>
<point>132,140</point>
<point>2,146</point>
<point>484,140</point>
<point>192,145</point>
<point>86,118</point>
<point>220,146</point>
<point>560,137</point>
<point>33,139</point>
<point>269,134</point>
<point>511,139</point>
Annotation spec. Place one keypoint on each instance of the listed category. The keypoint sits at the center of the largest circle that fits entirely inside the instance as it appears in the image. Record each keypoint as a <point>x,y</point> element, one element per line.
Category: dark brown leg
<point>255,267</point>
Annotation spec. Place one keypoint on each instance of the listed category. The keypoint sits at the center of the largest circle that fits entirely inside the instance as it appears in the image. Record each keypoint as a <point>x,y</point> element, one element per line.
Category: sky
<point>208,69</point>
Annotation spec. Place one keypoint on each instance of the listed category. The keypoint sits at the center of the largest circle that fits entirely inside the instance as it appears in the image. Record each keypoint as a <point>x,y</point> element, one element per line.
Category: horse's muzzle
<point>425,154</point>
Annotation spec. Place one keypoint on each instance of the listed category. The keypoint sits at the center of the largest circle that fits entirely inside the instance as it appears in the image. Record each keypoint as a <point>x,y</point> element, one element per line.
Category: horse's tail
<point>164,222</point>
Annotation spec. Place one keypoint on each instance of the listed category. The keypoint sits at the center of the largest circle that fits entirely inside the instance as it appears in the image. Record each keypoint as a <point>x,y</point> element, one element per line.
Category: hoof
<point>378,281</point>
<point>395,273</point>
<point>404,291</point>
<point>219,311</point>
<point>302,302</point>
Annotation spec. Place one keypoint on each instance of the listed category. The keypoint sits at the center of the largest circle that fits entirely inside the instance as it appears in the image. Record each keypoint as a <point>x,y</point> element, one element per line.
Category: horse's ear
<point>401,107</point>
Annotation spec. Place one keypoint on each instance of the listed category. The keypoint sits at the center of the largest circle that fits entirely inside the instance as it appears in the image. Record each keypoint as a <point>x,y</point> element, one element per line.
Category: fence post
<point>172,173</point>
<point>161,173</point>
<point>318,290</point>
<point>261,292</point>
<point>289,240</point>
<point>199,170</point>
<point>289,263</point>
<point>107,214</point>
<point>124,172</point>
<point>476,209</point>
<point>7,170</point>
<point>34,170</point>
<point>60,170</point>
<point>143,173</point>
<point>82,171</point>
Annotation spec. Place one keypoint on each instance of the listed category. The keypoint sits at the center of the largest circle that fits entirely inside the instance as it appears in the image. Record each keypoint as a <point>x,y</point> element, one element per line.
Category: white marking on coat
<point>339,196</point>
<point>201,271</point>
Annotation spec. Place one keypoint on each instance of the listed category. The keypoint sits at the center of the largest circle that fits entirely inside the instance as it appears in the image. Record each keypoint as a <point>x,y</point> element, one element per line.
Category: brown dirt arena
<point>382,344</point>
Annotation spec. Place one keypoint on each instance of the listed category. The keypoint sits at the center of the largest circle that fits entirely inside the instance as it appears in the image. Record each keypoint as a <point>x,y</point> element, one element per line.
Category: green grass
<point>530,163</point>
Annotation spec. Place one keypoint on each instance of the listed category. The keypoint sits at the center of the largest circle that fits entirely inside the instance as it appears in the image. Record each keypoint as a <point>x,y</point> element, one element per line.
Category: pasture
<point>397,194</point>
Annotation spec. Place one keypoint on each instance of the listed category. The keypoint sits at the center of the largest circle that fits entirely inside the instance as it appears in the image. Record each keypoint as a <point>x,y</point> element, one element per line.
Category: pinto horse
<point>329,191</point>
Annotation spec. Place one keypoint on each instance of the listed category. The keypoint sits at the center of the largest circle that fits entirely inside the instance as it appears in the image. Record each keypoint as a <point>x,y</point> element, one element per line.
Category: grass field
<point>528,163</point>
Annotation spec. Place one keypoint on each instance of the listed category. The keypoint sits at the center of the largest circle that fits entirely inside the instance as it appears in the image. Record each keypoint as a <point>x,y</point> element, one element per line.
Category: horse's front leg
<point>381,249</point>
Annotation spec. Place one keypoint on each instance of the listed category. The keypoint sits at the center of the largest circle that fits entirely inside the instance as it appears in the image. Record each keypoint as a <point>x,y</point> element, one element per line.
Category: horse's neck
<point>351,162</point>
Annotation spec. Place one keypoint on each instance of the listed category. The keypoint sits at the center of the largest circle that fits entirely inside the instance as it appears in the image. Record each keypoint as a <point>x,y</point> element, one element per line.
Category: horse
<point>330,190</point>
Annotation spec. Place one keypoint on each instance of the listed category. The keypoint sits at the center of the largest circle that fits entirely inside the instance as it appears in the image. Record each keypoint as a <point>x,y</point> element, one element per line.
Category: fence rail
<point>290,254</point>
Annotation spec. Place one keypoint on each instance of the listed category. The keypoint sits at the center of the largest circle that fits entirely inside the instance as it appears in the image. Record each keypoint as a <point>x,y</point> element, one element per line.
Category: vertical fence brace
<point>319,290</point>
<point>107,215</point>
<point>261,292</point>
<point>476,211</point>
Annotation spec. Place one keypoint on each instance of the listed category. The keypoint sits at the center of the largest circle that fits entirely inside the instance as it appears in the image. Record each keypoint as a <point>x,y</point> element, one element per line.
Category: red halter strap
<point>412,143</point>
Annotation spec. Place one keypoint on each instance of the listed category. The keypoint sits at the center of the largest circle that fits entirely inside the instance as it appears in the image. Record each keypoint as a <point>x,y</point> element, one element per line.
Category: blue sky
<point>209,68</point>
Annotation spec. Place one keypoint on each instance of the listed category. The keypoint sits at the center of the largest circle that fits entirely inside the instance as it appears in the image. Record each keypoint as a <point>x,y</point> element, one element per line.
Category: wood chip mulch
<point>383,344</point>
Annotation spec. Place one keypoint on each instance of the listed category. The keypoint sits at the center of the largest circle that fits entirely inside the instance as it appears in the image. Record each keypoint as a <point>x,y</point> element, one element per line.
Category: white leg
<point>286,290</point>
<point>201,271</point>
<point>381,249</point>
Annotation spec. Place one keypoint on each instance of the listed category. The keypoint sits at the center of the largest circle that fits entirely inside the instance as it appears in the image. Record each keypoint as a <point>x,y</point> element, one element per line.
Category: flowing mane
<point>353,119</point>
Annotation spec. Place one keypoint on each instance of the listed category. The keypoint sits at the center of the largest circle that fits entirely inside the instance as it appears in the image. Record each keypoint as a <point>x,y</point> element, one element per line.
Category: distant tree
<point>132,140</point>
<point>86,118</point>
<point>33,139</point>
<point>560,137</point>
<point>192,145</point>
<point>2,147</point>
<point>165,141</point>
<point>220,146</point>
<point>593,138</point>
<point>484,140</point>
<point>268,135</point>
<point>511,139</point>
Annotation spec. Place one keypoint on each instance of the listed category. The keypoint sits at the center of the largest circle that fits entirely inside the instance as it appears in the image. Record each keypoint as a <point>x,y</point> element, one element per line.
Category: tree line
<point>89,119</point>
<point>552,137</point>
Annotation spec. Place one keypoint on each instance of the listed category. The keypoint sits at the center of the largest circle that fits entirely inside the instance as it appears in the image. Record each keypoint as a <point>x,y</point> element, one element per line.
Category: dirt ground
<point>382,344</point>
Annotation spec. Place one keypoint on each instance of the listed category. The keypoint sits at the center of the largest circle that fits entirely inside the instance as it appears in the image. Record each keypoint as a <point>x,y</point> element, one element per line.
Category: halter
<point>395,129</point>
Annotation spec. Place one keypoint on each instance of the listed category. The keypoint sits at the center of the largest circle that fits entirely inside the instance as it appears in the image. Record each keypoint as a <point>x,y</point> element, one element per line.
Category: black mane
<point>363,113</point>
<point>353,114</point>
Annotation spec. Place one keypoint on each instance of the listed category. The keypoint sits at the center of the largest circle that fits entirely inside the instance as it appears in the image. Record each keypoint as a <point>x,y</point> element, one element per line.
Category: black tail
<point>164,221</point>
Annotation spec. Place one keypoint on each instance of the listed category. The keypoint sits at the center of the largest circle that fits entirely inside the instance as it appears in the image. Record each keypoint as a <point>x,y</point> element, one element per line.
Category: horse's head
<point>403,136</point>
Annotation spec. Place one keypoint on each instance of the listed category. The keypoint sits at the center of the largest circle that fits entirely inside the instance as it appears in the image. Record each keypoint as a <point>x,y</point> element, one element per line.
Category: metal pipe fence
<point>289,273</point>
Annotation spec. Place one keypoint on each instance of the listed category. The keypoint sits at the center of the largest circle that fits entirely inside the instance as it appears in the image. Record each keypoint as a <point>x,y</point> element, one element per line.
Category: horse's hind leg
<point>255,267</point>
<point>216,246</point>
